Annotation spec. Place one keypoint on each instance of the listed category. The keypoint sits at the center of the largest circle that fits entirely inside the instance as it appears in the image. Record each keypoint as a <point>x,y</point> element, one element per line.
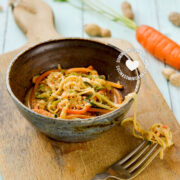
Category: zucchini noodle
<point>73,93</point>
<point>157,133</point>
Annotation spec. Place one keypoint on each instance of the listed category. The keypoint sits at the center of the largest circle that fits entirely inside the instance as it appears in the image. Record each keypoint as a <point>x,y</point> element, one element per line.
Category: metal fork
<point>132,164</point>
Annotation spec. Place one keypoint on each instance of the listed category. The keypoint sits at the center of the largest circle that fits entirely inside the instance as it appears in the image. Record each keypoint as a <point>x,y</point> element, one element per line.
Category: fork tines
<point>139,157</point>
<point>132,164</point>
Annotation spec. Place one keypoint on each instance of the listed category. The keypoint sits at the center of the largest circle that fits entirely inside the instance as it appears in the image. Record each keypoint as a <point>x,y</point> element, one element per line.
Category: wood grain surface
<point>25,153</point>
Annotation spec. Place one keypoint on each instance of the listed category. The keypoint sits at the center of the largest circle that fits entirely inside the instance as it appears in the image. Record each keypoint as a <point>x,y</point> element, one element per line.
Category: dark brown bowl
<point>69,53</point>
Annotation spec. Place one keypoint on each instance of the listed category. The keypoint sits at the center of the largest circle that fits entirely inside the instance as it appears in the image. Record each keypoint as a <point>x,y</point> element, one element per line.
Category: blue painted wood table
<point>70,23</point>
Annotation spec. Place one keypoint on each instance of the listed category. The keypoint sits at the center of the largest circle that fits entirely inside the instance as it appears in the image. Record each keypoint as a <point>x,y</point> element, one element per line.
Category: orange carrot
<point>102,91</point>
<point>72,111</point>
<point>165,127</point>
<point>80,69</point>
<point>43,112</point>
<point>34,79</point>
<point>82,111</point>
<point>82,116</point>
<point>90,67</point>
<point>37,82</point>
<point>104,111</point>
<point>159,45</point>
<point>118,96</point>
<point>115,85</point>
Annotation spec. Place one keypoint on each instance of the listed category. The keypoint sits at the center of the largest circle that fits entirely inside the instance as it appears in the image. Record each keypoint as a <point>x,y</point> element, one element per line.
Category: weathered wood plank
<point>14,38</point>
<point>68,20</point>
<point>173,32</point>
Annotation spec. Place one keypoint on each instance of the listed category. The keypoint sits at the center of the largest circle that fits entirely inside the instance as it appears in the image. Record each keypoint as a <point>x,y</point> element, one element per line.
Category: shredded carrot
<point>80,69</point>
<point>90,67</point>
<point>37,82</point>
<point>43,112</point>
<point>98,110</point>
<point>102,91</point>
<point>72,111</point>
<point>34,79</point>
<point>165,127</point>
<point>115,85</point>
<point>74,116</point>
<point>118,96</point>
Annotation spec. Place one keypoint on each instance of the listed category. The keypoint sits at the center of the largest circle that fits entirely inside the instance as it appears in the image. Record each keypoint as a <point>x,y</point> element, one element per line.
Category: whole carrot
<point>159,45</point>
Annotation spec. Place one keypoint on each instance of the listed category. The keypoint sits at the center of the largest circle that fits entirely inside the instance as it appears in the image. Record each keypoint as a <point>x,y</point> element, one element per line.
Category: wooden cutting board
<point>25,153</point>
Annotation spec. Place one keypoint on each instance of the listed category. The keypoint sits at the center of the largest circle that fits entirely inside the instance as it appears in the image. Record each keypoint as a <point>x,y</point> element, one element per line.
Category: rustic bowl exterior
<point>69,53</point>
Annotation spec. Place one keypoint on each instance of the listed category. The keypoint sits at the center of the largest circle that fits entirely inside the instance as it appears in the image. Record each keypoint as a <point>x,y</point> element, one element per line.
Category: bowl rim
<point>31,47</point>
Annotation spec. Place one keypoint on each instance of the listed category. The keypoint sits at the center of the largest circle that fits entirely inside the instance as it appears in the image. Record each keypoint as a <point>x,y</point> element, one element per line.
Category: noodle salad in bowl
<point>73,93</point>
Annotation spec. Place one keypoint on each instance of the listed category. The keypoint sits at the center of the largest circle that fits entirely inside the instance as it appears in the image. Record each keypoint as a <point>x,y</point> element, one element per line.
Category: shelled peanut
<point>127,10</point>
<point>1,8</point>
<point>174,17</point>
<point>95,30</point>
<point>172,76</point>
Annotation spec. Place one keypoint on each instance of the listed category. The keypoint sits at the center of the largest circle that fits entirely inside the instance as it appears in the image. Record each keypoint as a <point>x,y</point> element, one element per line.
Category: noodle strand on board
<point>157,133</point>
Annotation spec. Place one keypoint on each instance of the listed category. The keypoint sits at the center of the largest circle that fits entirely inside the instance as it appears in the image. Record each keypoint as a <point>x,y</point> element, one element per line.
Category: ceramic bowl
<point>69,53</point>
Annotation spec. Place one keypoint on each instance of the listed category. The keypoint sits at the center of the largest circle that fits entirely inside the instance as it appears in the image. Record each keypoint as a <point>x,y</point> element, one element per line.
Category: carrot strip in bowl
<point>72,111</point>
<point>43,112</point>
<point>37,82</point>
<point>115,85</point>
<point>118,96</point>
<point>90,67</point>
<point>99,110</point>
<point>82,116</point>
<point>80,69</point>
<point>34,79</point>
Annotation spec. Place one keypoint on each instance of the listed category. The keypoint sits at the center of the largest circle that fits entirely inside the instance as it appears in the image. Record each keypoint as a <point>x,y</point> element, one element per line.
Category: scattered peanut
<point>172,76</point>
<point>92,29</point>
<point>175,79</point>
<point>167,72</point>
<point>95,30</point>
<point>127,10</point>
<point>1,8</point>
<point>174,17</point>
<point>105,33</point>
